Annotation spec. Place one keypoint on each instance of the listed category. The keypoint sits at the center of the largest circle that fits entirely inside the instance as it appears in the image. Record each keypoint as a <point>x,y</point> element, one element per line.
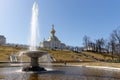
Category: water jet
<point>33,53</point>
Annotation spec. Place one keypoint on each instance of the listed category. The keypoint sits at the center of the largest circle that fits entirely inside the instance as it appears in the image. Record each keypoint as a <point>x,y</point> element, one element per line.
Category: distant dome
<point>53,37</point>
<point>52,42</point>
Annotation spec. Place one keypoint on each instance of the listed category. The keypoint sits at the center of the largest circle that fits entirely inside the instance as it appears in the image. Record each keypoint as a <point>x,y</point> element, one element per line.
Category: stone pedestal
<point>34,64</point>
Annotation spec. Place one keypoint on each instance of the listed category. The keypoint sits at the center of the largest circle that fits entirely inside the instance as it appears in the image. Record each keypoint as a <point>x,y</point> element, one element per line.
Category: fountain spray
<point>34,27</point>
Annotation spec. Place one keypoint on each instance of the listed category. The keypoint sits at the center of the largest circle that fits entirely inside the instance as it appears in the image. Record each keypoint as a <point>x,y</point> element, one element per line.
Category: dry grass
<point>6,51</point>
<point>61,55</point>
<point>2,77</point>
<point>99,56</point>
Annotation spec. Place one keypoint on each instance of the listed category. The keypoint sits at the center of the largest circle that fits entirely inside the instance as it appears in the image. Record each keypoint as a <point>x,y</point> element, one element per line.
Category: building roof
<point>53,37</point>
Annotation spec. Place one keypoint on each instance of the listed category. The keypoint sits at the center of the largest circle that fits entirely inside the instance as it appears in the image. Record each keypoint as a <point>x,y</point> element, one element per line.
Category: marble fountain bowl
<point>35,53</point>
<point>34,64</point>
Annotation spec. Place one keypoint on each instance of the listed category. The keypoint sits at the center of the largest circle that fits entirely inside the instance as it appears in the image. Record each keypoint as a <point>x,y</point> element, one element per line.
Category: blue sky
<point>72,19</point>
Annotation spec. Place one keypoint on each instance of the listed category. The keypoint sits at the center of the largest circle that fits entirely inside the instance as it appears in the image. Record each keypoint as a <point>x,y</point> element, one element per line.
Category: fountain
<point>34,64</point>
<point>33,53</point>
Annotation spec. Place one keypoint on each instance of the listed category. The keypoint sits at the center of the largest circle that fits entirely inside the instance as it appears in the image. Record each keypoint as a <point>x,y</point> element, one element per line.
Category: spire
<point>53,30</point>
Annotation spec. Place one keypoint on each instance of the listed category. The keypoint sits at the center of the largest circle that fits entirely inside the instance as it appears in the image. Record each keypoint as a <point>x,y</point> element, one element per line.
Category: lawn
<point>59,55</point>
<point>102,56</point>
<point>6,51</point>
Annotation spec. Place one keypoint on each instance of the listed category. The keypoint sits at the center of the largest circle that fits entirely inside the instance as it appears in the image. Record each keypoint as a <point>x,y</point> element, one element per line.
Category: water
<point>60,73</point>
<point>34,27</point>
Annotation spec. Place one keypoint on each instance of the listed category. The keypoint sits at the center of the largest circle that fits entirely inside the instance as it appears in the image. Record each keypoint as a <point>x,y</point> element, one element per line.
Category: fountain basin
<point>35,54</point>
<point>34,64</point>
<point>62,73</point>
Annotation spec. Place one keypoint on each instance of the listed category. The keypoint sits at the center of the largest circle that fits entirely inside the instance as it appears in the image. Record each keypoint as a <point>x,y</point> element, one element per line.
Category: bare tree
<point>107,47</point>
<point>86,41</point>
<point>116,35</point>
<point>99,45</point>
<point>92,46</point>
<point>113,44</point>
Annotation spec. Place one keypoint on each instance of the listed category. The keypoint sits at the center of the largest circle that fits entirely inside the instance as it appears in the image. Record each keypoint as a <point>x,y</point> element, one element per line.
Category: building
<point>2,40</point>
<point>52,42</point>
